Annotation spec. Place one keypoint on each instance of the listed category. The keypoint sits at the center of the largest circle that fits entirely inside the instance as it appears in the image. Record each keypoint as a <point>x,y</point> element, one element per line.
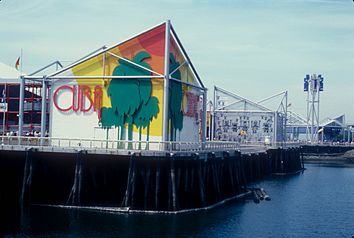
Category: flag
<point>3,96</point>
<point>17,64</point>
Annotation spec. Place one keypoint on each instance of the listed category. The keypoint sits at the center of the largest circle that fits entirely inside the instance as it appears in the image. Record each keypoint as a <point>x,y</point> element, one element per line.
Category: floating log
<point>255,196</point>
<point>265,195</point>
<point>260,194</point>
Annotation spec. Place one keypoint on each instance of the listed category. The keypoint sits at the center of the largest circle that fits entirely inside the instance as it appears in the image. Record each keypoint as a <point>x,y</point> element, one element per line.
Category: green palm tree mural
<point>130,98</point>
<point>145,115</point>
<point>175,100</point>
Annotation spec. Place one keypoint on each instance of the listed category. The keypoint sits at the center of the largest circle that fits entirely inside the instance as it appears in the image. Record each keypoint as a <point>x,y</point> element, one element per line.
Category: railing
<point>114,145</point>
<point>110,145</point>
<point>326,143</point>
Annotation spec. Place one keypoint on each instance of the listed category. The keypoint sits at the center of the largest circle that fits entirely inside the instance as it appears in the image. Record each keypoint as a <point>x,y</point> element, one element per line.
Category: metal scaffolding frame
<point>295,122</point>
<point>48,80</point>
<point>237,100</point>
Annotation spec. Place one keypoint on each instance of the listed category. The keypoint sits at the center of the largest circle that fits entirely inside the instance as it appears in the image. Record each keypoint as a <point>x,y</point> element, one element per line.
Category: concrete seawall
<point>325,149</point>
<point>339,155</point>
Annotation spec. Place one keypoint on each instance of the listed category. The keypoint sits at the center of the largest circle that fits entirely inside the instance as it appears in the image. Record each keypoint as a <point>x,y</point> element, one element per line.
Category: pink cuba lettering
<point>192,105</point>
<point>82,99</point>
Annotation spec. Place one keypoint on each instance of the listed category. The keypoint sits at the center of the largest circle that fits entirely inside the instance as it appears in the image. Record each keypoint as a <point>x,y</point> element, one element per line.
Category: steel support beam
<point>21,106</point>
<point>44,107</point>
<point>165,123</point>
<point>203,131</point>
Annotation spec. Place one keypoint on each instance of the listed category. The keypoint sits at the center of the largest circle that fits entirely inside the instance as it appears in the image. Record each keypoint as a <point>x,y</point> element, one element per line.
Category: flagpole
<point>21,61</point>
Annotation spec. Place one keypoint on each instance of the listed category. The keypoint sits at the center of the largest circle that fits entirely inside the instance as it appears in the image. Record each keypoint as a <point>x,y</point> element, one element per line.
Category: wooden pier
<point>136,181</point>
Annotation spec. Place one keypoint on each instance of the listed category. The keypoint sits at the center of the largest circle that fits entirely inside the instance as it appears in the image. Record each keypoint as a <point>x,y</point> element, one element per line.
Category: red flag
<point>17,64</point>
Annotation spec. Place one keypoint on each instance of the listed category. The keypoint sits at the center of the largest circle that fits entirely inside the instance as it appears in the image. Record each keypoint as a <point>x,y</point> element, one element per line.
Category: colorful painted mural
<point>131,100</point>
<point>129,106</point>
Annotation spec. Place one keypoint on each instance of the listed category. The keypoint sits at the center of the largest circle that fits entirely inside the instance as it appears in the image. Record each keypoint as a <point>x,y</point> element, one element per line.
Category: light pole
<point>313,85</point>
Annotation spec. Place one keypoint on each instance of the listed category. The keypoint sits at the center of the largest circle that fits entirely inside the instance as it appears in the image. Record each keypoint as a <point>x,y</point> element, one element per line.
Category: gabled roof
<point>295,119</point>
<point>98,64</point>
<point>340,119</point>
<point>8,74</point>
<point>225,100</point>
<point>338,122</point>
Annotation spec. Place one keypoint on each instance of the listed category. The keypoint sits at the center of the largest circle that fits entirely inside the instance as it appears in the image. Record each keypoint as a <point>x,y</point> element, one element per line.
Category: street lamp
<point>313,85</point>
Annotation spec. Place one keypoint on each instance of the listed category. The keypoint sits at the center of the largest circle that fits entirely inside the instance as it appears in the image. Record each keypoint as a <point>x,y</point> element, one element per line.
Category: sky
<point>252,48</point>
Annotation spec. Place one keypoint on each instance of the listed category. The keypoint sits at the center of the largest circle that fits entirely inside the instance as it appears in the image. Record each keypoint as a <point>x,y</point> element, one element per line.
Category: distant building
<point>9,102</point>
<point>330,130</point>
<point>234,118</point>
<point>334,130</point>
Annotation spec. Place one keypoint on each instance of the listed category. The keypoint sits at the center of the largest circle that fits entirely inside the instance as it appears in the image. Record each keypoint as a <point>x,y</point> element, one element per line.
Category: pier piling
<point>166,182</point>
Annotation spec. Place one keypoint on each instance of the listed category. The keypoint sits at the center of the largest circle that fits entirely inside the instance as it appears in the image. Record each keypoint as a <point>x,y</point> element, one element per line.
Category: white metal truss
<point>295,124</point>
<point>295,119</point>
<point>135,64</point>
<point>281,111</point>
<point>313,107</point>
<point>186,57</point>
<point>56,64</point>
<point>234,100</point>
<point>225,101</point>
<point>46,80</point>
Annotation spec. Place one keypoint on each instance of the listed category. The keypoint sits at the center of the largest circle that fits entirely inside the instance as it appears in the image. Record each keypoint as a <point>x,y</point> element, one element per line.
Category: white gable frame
<point>49,79</point>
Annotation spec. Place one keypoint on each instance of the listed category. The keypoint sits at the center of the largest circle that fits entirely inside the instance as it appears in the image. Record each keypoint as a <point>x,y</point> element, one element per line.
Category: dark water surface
<point>316,203</point>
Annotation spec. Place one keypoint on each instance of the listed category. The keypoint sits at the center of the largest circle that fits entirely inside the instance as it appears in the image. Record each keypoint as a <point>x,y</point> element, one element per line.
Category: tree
<point>109,118</point>
<point>175,99</point>
<point>145,115</point>
<point>131,99</point>
<point>127,95</point>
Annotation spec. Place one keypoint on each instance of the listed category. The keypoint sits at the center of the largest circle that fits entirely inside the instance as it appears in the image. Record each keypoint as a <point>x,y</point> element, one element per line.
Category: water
<point>316,203</point>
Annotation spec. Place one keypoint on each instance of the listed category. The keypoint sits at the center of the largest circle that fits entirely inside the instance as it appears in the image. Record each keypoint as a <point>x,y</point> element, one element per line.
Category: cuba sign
<point>82,98</point>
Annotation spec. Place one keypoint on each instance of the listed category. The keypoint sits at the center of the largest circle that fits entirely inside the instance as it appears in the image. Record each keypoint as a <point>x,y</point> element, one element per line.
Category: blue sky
<point>253,48</point>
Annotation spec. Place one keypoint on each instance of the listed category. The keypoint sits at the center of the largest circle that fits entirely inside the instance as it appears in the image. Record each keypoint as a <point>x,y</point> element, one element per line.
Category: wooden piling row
<point>27,178</point>
<point>75,193</point>
<point>164,183</point>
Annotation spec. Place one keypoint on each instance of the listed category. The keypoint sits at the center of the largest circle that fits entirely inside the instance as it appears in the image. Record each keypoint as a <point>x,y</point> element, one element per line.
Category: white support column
<point>307,117</point>
<point>275,128</point>
<point>166,83</point>
<point>213,117</point>
<point>313,111</point>
<point>318,112</point>
<point>44,107</point>
<point>286,116</point>
<point>50,104</point>
<point>204,118</point>
<point>21,106</point>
